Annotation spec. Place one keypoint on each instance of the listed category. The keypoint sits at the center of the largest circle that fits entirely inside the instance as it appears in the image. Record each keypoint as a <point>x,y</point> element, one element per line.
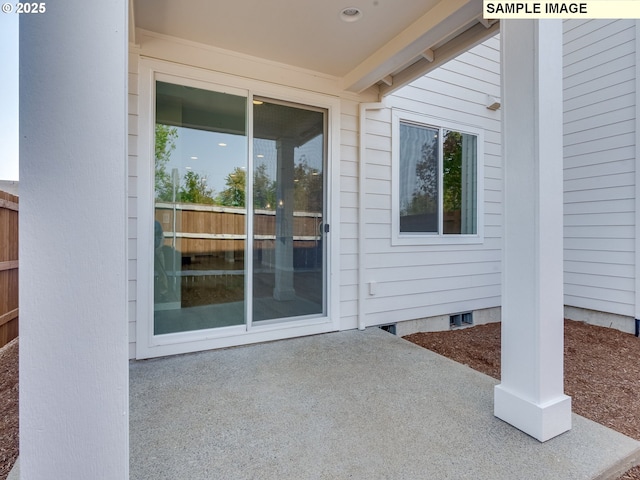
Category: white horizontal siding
<point>605,124</point>
<point>619,257</point>
<point>601,182</point>
<point>616,101</point>
<point>349,171</point>
<point>611,167</point>
<point>424,281</point>
<point>599,165</point>
<point>132,193</point>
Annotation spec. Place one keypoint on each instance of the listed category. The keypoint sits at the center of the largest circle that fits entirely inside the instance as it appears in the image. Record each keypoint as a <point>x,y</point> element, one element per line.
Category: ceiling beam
<point>433,28</point>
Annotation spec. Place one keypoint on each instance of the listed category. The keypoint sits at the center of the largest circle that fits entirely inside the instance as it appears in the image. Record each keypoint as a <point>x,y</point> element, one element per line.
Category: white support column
<point>73,283</point>
<point>284,289</point>
<point>531,396</point>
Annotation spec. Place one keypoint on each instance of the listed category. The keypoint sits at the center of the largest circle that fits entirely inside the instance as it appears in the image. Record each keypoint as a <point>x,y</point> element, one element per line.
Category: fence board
<point>7,317</point>
<point>9,313</point>
<point>11,265</point>
<point>9,205</point>
<point>216,230</point>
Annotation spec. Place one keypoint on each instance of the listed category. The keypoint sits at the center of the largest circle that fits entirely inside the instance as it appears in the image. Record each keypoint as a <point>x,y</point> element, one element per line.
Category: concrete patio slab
<point>356,405</point>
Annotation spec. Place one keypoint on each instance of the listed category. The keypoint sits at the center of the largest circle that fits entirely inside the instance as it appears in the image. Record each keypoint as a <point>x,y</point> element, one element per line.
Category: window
<point>436,181</point>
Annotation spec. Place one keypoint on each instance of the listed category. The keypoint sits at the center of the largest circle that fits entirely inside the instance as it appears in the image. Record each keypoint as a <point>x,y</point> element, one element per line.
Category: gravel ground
<point>8,407</point>
<point>602,375</point>
<point>602,369</point>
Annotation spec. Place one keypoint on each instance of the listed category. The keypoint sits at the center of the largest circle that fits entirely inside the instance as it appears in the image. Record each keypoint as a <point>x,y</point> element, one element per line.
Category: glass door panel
<point>288,211</point>
<point>201,150</point>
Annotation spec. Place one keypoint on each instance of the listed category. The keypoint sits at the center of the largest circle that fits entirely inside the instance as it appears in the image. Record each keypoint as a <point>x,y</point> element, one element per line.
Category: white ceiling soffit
<point>390,36</point>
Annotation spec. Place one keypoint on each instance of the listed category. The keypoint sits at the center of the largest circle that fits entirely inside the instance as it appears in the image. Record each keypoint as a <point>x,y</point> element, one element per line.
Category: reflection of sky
<point>9,97</point>
<point>213,155</point>
<point>312,152</point>
<point>266,153</point>
<point>418,145</point>
<point>201,151</point>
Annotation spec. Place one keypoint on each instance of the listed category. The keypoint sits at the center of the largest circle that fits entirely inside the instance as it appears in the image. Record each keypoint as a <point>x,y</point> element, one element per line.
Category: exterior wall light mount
<point>493,103</point>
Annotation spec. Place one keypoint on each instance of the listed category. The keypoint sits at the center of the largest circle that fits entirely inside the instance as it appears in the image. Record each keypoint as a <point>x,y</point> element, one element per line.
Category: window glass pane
<point>200,212</point>
<point>288,200</point>
<point>459,164</point>
<point>418,179</point>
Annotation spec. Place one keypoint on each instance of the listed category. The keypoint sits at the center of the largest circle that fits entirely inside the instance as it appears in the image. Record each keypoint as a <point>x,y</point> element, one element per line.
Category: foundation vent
<point>461,319</point>
<point>391,328</point>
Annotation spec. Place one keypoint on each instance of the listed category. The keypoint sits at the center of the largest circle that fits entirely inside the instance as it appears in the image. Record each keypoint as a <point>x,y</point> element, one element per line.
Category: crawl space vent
<point>389,328</point>
<point>460,319</point>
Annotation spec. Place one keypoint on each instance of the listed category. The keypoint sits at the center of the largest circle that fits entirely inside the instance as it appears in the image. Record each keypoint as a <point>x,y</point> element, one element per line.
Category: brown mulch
<point>8,407</point>
<point>602,375</point>
<point>602,369</point>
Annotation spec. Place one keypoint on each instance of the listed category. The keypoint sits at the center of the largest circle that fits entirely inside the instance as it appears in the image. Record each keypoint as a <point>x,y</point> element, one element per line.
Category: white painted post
<point>73,282</point>
<point>530,395</point>
<point>284,289</point>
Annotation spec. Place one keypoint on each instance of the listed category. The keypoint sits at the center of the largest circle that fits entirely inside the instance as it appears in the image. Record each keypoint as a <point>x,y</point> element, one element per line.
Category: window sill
<point>436,240</point>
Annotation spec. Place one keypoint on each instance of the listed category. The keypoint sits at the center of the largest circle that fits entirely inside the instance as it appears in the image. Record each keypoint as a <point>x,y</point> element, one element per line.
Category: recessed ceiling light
<point>194,158</point>
<point>350,14</point>
<point>258,102</point>
<point>260,155</point>
<point>222,144</point>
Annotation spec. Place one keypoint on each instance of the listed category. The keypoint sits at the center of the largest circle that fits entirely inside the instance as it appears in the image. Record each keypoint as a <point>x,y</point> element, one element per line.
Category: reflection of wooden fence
<point>8,267</point>
<point>208,229</point>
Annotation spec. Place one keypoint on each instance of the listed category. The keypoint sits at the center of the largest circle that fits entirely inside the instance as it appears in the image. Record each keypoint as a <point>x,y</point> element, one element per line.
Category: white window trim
<point>397,238</point>
<point>149,345</point>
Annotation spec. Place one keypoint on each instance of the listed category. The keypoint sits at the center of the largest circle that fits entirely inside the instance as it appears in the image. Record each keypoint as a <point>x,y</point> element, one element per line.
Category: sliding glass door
<point>210,165</point>
<point>288,211</point>
<point>201,147</point>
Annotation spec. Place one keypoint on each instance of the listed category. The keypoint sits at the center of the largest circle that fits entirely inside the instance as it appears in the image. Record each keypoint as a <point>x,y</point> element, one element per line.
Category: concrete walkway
<point>350,405</point>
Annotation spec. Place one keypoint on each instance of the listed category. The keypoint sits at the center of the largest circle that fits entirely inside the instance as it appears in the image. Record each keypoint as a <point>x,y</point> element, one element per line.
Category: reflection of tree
<point>308,188</point>
<point>234,194</point>
<point>195,189</point>
<point>425,195</point>
<point>307,193</point>
<point>165,144</point>
<point>192,188</point>
<point>264,189</point>
<point>452,167</point>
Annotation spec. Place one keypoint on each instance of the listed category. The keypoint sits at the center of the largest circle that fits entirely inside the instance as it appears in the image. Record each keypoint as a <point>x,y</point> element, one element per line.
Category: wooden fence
<point>212,229</point>
<point>8,267</point>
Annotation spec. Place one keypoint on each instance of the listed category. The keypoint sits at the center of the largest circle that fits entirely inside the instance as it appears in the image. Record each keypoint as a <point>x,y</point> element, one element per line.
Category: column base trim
<point>284,294</point>
<point>541,421</point>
